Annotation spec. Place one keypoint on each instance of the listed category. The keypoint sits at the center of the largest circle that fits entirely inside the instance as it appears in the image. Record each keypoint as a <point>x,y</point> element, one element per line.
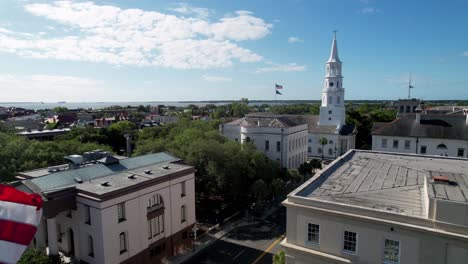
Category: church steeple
<point>334,50</point>
<point>332,111</point>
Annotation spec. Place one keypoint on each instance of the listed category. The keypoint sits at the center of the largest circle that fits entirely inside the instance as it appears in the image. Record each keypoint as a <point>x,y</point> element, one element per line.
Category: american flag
<point>20,214</point>
<point>277,86</point>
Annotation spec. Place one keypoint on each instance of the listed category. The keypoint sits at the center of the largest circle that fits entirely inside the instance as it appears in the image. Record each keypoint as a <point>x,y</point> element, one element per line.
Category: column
<point>52,236</point>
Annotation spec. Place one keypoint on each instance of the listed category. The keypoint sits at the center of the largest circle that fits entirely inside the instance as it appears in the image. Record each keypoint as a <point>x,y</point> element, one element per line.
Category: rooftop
<point>91,178</point>
<point>431,126</point>
<point>390,182</point>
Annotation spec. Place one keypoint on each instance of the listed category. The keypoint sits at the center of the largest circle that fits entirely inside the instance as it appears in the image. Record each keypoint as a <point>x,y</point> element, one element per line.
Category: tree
<point>316,164</point>
<point>279,258</point>
<point>34,256</point>
<point>305,169</point>
<point>323,141</point>
<point>60,109</point>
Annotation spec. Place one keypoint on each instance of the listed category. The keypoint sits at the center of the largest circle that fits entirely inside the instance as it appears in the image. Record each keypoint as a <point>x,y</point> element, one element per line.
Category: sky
<point>155,50</point>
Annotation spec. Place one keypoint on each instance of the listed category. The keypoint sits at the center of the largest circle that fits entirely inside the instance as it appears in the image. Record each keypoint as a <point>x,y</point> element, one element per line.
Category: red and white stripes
<point>20,214</point>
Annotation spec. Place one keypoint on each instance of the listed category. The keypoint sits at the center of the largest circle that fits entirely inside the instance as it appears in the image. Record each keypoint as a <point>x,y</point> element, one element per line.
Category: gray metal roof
<point>431,126</point>
<point>68,178</point>
<point>388,181</point>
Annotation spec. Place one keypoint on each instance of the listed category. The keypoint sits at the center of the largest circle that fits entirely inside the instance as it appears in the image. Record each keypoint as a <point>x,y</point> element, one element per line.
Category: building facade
<point>134,210</point>
<point>279,137</point>
<point>375,207</point>
<point>442,135</point>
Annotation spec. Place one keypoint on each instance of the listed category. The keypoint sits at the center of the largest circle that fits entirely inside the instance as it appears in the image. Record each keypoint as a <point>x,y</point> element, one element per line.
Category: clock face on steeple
<point>331,84</point>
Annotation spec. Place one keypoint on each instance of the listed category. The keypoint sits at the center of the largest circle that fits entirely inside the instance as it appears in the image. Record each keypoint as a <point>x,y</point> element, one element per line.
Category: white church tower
<point>332,111</point>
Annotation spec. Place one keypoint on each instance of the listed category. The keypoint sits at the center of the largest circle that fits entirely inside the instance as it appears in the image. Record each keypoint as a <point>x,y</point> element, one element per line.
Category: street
<point>254,242</point>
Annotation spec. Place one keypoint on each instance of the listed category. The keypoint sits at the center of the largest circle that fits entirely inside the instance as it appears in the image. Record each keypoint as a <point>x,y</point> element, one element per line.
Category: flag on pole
<point>277,86</point>
<point>277,92</point>
<point>20,214</point>
<point>411,86</point>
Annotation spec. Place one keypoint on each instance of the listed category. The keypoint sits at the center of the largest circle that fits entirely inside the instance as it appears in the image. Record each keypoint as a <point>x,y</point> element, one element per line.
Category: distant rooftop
<point>390,182</point>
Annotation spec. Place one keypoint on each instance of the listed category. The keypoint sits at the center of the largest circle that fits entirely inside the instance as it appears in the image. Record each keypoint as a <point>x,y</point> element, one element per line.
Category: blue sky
<point>220,50</point>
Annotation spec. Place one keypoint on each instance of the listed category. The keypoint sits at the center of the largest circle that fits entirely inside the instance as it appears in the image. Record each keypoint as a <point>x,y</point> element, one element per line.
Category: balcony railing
<point>155,207</point>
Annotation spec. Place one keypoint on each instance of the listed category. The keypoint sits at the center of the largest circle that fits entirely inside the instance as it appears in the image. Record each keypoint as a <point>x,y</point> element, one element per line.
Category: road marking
<point>268,249</point>
<point>238,254</point>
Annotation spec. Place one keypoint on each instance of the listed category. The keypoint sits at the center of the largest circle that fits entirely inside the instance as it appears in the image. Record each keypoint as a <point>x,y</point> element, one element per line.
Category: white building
<point>279,137</point>
<point>330,124</point>
<point>445,135</point>
<point>376,207</point>
<point>134,210</point>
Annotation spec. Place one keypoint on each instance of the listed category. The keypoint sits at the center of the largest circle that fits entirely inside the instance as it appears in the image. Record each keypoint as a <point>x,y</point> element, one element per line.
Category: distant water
<point>100,105</point>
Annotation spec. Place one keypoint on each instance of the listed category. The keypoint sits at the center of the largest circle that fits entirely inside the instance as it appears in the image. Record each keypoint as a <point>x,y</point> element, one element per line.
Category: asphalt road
<point>247,244</point>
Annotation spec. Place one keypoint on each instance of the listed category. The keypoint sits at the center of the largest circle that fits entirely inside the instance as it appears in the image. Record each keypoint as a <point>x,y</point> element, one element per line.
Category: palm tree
<point>323,141</point>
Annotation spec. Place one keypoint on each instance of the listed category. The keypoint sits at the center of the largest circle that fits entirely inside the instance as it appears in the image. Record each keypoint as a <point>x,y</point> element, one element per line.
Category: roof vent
<point>147,171</point>
<point>78,180</point>
<point>105,184</point>
<point>131,176</point>
<point>443,180</point>
<point>166,167</point>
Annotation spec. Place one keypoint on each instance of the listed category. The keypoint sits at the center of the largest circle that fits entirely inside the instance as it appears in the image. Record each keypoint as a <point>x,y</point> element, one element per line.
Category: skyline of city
<point>105,51</point>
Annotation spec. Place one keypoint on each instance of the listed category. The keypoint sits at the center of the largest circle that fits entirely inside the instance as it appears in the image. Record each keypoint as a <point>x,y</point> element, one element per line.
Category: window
<point>329,112</point>
<point>267,145</point>
<point>155,203</point>
<point>329,118</point>
<point>313,233</point>
<point>330,151</point>
<point>441,146</point>
<point>384,143</point>
<point>87,215</point>
<point>338,99</point>
<point>309,149</point>
<point>121,212</point>
<point>90,246</point>
<point>330,142</point>
<point>423,149</point>
<point>330,101</point>
<point>182,189</point>
<point>123,242</point>
<point>395,143</point>
<point>236,139</point>
<point>319,150</point>
<point>350,242</point>
<point>247,139</point>
<point>402,109</point>
<point>392,251</point>
<point>407,144</point>
<point>408,109</point>
<point>278,146</point>
<point>310,140</point>
<point>155,226</point>
<point>182,214</point>
<point>461,152</point>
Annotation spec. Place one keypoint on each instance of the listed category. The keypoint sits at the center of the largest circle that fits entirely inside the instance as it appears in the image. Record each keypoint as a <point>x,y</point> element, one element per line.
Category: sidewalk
<point>205,240</point>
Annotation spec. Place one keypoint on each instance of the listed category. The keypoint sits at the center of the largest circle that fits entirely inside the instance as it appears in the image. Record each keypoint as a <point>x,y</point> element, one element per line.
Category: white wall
<point>430,143</point>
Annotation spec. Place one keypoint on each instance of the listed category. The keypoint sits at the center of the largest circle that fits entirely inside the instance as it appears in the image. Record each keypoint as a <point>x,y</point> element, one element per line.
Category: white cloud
<point>109,34</point>
<point>50,88</point>
<point>186,9</point>
<point>465,53</point>
<point>369,10</point>
<point>294,40</point>
<point>216,79</point>
<point>291,67</point>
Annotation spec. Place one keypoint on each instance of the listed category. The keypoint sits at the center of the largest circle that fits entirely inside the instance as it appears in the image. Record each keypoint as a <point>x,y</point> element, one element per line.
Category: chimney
<point>418,114</point>
<point>129,145</point>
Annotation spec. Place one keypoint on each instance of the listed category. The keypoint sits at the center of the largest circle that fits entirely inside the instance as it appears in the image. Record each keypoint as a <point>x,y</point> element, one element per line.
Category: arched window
<point>441,146</point>
<point>319,150</point>
<point>408,109</point>
<point>90,246</point>
<point>155,203</point>
<point>402,109</point>
<point>330,151</point>
<point>338,99</point>
<point>330,101</point>
<point>414,108</point>
<point>123,242</point>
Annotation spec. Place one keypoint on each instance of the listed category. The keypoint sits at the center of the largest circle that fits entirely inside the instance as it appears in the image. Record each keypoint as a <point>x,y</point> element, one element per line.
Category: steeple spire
<point>334,50</point>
